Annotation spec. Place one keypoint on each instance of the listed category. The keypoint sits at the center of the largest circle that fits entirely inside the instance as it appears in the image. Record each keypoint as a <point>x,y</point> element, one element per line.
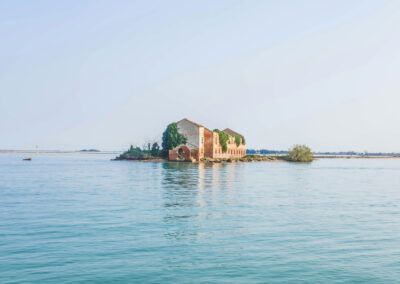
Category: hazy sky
<point>107,74</point>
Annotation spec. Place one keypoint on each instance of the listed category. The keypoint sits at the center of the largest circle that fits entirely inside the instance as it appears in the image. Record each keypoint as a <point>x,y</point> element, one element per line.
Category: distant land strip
<point>328,154</point>
<point>59,152</point>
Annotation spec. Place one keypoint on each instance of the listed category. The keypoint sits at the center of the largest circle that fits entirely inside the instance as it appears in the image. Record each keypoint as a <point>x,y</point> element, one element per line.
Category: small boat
<point>28,159</point>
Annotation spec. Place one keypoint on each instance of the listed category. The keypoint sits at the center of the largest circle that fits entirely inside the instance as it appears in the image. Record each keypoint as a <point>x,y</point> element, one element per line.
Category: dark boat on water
<point>28,159</point>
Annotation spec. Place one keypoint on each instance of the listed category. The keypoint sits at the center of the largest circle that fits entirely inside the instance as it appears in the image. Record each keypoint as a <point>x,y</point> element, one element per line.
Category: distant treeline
<point>348,153</point>
<point>265,152</point>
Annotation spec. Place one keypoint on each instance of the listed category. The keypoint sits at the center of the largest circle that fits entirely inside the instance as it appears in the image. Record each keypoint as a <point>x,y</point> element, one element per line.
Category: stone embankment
<point>248,158</point>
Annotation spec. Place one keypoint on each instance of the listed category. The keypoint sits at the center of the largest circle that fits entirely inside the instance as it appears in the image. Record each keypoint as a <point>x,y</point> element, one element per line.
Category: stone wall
<point>180,153</point>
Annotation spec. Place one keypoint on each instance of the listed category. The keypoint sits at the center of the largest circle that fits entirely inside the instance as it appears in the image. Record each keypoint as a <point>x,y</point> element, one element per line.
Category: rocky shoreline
<point>248,158</point>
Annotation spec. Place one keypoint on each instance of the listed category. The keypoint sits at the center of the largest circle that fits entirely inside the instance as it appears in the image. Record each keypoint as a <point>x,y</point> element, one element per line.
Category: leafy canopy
<point>171,138</point>
<point>155,150</point>
<point>300,153</point>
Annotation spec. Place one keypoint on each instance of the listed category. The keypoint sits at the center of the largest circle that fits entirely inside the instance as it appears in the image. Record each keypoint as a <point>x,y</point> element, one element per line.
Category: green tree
<point>300,153</point>
<point>171,138</point>
<point>155,150</point>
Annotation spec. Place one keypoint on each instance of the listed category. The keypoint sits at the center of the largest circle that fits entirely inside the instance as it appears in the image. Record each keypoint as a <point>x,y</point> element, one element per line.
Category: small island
<point>189,141</point>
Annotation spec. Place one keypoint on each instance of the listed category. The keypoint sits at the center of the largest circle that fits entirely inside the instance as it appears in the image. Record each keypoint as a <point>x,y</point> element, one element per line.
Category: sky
<point>108,74</point>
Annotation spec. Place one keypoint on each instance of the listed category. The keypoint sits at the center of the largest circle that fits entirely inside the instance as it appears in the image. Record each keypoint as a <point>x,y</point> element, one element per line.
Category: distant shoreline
<point>355,157</point>
<point>56,152</point>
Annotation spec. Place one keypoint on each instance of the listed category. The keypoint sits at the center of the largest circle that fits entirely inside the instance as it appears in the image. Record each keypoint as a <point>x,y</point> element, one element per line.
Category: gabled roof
<point>231,132</point>
<point>194,123</point>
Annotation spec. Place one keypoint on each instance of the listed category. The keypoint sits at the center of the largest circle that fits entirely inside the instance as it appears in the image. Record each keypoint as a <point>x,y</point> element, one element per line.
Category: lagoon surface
<point>72,218</point>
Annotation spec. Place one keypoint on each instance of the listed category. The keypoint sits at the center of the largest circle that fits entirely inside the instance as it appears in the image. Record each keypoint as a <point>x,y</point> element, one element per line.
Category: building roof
<point>231,132</point>
<point>194,123</point>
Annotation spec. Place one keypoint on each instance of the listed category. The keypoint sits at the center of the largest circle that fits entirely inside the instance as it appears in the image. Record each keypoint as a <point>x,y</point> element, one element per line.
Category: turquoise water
<point>72,218</point>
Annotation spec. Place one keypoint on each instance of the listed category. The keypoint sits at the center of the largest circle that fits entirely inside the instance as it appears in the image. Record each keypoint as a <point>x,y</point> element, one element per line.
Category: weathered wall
<point>208,143</point>
<point>201,142</point>
<point>180,153</point>
<point>233,151</point>
<point>191,132</point>
<point>194,153</point>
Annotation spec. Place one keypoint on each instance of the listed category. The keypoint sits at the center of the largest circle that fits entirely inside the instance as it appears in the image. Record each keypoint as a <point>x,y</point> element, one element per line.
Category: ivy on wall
<point>224,138</point>
<point>237,140</point>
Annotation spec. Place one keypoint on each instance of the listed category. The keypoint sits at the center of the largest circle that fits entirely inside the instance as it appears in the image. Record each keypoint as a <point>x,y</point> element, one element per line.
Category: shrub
<point>134,153</point>
<point>155,150</point>
<point>300,153</point>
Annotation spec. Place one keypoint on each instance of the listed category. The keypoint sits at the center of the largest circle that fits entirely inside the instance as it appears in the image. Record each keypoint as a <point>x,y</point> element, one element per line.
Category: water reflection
<point>192,192</point>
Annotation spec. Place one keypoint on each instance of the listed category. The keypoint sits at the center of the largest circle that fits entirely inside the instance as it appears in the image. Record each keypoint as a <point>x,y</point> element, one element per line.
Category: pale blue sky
<point>107,74</point>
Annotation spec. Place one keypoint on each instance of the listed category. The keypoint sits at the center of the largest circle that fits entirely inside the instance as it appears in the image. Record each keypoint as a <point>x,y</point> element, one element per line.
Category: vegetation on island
<point>300,153</point>
<point>135,153</point>
<point>171,138</point>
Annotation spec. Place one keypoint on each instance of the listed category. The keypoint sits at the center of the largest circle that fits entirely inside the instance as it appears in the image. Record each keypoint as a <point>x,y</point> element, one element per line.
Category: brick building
<point>204,143</point>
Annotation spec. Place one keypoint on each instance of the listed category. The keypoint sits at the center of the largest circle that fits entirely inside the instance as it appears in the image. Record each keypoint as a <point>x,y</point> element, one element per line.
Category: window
<point>202,140</point>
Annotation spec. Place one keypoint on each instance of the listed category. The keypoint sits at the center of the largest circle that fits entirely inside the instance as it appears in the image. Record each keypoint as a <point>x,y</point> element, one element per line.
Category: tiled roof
<point>231,132</point>
<point>192,122</point>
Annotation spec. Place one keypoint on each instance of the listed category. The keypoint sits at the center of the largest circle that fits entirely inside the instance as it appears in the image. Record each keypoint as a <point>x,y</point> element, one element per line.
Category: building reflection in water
<point>198,194</point>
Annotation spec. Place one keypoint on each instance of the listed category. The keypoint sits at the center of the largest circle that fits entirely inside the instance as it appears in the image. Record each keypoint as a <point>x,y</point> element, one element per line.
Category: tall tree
<point>172,138</point>
<point>155,150</point>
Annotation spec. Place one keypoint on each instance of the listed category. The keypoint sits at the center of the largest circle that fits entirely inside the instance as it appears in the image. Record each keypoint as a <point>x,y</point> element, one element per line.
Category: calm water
<point>83,218</point>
